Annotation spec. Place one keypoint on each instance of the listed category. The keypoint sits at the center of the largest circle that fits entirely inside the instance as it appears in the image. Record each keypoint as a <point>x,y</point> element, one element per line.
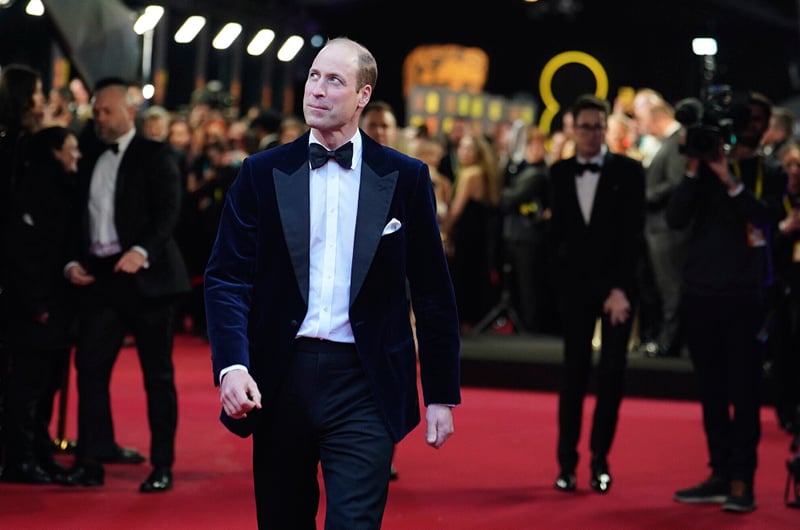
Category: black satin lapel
<point>292,192</point>
<point>374,199</point>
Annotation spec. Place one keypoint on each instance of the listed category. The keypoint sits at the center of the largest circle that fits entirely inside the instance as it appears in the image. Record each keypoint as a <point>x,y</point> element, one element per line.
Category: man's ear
<point>366,94</point>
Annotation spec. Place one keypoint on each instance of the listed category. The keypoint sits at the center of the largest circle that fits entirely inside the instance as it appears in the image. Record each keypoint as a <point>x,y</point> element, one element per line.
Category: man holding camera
<point>731,204</point>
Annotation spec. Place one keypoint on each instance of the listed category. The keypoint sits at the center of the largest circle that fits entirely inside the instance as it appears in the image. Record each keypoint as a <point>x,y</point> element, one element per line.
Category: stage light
<point>704,46</point>
<point>290,48</point>
<point>261,42</point>
<point>148,19</point>
<point>35,8</point>
<point>189,29</point>
<point>226,36</point>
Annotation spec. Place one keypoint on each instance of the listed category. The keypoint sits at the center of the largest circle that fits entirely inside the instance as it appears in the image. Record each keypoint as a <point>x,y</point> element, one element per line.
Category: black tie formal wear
<point>146,200</point>
<point>318,155</point>
<point>594,253</point>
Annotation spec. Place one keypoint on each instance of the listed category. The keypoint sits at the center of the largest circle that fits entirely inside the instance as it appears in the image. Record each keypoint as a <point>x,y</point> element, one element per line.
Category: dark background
<point>640,43</point>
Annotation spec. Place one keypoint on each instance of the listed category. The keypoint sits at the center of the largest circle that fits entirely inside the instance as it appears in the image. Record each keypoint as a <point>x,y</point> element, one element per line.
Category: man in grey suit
<point>666,247</point>
<point>308,313</point>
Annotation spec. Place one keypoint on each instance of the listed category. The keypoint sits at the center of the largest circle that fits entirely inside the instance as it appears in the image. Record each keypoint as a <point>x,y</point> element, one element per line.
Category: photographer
<point>731,205</point>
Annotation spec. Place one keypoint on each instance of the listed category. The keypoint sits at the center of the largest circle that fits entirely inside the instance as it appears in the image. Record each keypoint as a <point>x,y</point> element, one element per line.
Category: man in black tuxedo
<point>597,235</point>
<point>308,316</point>
<point>129,271</point>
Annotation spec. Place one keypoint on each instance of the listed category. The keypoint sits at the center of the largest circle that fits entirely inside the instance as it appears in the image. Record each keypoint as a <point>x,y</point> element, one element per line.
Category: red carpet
<point>495,473</point>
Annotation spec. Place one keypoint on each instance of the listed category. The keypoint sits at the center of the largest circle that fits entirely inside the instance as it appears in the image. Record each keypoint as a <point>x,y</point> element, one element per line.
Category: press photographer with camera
<point>730,200</point>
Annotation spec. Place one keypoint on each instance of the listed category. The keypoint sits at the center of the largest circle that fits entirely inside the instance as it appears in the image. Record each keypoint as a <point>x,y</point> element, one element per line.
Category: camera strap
<point>759,183</point>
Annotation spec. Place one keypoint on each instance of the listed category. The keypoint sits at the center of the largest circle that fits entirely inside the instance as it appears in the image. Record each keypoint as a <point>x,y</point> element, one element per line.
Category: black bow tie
<point>591,167</point>
<point>114,148</point>
<point>318,155</point>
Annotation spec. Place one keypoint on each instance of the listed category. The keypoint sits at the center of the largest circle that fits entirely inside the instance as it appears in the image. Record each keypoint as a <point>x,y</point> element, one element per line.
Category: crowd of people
<point>612,218</point>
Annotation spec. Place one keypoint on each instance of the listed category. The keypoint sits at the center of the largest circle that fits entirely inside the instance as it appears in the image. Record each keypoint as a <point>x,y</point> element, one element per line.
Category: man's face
<point>331,100</point>
<point>756,125</point>
<point>590,130</point>
<point>381,126</point>
<point>113,115</point>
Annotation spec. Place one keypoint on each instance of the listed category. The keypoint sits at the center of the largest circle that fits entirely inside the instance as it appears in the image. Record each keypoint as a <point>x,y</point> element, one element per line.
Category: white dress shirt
<point>586,183</point>
<point>333,206</point>
<point>102,230</point>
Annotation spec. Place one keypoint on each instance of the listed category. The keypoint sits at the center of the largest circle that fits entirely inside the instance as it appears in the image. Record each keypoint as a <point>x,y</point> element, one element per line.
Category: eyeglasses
<point>595,127</point>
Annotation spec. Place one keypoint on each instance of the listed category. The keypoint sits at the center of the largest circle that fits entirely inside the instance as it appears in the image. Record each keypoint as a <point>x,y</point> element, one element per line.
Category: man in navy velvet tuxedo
<point>308,315</point>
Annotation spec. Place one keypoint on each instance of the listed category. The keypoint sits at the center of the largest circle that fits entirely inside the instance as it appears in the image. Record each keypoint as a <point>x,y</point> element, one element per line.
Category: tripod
<point>504,307</point>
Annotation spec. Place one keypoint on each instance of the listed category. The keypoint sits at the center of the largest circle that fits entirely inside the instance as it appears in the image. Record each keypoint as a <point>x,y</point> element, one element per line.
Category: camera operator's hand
<point>721,168</point>
<point>791,223</point>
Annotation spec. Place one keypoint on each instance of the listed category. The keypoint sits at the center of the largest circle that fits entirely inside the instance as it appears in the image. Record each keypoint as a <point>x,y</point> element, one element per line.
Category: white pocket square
<point>391,227</point>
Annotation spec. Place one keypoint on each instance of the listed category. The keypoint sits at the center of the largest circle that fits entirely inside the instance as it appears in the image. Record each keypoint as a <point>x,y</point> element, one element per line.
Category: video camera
<point>709,122</point>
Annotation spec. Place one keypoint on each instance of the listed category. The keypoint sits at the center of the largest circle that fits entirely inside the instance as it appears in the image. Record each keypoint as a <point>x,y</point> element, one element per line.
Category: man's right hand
<point>79,276</point>
<point>238,393</point>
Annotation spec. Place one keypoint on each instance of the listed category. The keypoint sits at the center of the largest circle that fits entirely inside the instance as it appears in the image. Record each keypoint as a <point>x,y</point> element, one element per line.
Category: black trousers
<point>110,308</point>
<point>727,357</point>
<point>324,416</point>
<point>578,320</point>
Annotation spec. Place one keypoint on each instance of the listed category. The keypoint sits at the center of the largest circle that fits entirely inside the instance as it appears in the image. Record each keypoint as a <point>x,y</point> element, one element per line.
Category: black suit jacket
<point>257,281</point>
<point>147,204</point>
<point>602,254</point>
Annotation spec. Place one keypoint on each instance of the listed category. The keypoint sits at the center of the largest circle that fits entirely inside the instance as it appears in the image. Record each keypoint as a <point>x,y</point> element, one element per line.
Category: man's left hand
<point>130,262</point>
<point>440,424</point>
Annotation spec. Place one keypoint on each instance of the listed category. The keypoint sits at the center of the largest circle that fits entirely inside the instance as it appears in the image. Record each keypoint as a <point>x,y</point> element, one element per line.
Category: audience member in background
<point>331,348</point>
<point>379,122</point>
<point>61,109</point>
<point>597,239</point>
<point>155,123</point>
<point>525,208</point>
<point>470,228</point>
<point>648,143</point>
<point>266,128</point>
<point>81,96</point>
<point>431,151</point>
<point>562,142</point>
<point>41,301</point>
<point>206,202</point>
<point>779,132</point>
<point>732,206</point>
<point>448,166</point>
<point>621,129</point>
<point>666,247</point>
<point>292,128</point>
<point>784,341</point>
<point>129,272</point>
<point>22,111</point>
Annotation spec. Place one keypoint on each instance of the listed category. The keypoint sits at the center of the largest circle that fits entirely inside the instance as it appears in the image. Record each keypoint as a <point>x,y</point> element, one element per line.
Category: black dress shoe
<point>601,477</point>
<point>565,482</point>
<point>56,471</point>
<point>85,474</point>
<point>159,480</point>
<point>124,455</point>
<point>27,473</point>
